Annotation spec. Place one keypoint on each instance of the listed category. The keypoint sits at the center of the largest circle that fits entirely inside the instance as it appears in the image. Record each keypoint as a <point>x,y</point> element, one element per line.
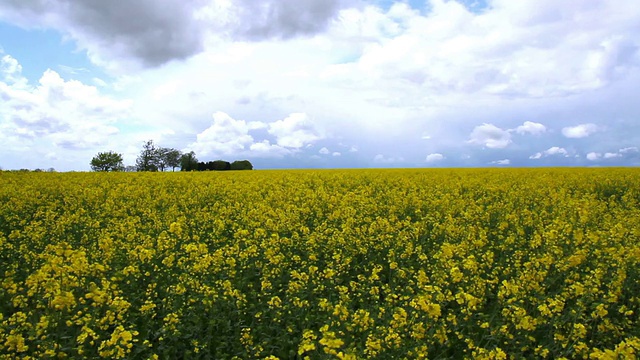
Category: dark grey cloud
<point>285,19</point>
<point>151,32</point>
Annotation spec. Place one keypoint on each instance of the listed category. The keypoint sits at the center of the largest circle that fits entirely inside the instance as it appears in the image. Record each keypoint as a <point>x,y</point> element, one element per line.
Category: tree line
<point>156,158</point>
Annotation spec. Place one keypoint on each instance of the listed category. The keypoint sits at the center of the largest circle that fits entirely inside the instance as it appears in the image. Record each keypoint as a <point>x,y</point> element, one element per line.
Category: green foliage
<point>220,165</point>
<point>188,162</point>
<point>107,161</point>
<point>241,165</point>
<point>172,158</point>
<point>148,158</point>
<point>154,158</point>
<point>167,157</point>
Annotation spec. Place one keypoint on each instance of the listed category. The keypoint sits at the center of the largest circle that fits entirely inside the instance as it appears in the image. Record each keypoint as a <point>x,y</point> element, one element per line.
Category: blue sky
<point>321,84</point>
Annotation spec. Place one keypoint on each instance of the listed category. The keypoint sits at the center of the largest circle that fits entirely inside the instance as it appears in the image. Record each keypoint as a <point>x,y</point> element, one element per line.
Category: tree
<point>107,161</point>
<point>161,158</point>
<point>220,165</point>
<point>172,158</point>
<point>148,158</point>
<point>241,165</point>
<point>168,157</point>
<point>188,162</point>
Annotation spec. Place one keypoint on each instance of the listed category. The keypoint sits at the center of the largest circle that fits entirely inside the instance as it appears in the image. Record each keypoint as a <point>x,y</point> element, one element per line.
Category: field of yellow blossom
<point>348,264</point>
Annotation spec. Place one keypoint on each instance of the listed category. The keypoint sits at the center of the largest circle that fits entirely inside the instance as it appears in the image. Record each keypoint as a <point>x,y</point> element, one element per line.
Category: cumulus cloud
<point>65,114</point>
<point>490,136</point>
<point>532,128</point>
<point>435,157</point>
<point>228,136</point>
<point>267,150</point>
<point>579,131</point>
<point>511,50</point>
<point>295,131</point>
<point>225,136</point>
<point>593,156</point>
<point>336,153</point>
<point>11,71</point>
<point>501,162</point>
<point>555,150</point>
<point>324,151</point>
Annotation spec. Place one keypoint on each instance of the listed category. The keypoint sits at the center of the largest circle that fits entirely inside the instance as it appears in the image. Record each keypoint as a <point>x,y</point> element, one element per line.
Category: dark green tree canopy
<point>107,161</point>
<point>221,165</point>
<point>153,158</point>
<point>148,158</point>
<point>241,165</point>
<point>188,162</point>
<point>172,158</point>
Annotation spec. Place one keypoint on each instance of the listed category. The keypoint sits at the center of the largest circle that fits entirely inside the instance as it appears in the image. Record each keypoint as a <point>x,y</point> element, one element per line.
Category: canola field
<point>332,264</point>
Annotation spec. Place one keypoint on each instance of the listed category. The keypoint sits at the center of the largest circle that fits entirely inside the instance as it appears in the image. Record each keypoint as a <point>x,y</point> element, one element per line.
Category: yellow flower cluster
<point>346,264</point>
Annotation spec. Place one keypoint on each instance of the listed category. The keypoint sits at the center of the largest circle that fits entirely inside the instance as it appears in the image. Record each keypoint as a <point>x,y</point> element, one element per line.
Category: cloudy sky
<point>322,83</point>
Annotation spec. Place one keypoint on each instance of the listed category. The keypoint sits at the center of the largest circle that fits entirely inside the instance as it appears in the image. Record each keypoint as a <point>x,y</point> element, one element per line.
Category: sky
<point>322,83</point>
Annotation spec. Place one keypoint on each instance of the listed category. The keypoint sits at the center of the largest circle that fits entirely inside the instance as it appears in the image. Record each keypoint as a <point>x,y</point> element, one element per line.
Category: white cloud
<point>225,136</point>
<point>381,159</point>
<point>435,157</point>
<point>294,131</point>
<point>56,114</point>
<point>529,127</point>
<point>501,162</point>
<point>593,156</point>
<point>336,153</point>
<point>11,71</point>
<point>579,131</point>
<point>324,151</point>
<point>265,149</point>
<point>628,150</point>
<point>490,136</point>
<point>555,150</point>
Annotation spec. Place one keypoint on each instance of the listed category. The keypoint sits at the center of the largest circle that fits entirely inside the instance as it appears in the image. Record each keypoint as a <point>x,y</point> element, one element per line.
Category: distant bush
<point>221,165</point>
<point>241,165</point>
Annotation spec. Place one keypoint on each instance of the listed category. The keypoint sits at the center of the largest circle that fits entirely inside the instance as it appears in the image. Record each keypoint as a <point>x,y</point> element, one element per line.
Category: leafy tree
<point>172,158</point>
<point>107,161</point>
<point>241,165</point>
<point>220,165</point>
<point>148,158</point>
<point>161,158</point>
<point>188,162</point>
